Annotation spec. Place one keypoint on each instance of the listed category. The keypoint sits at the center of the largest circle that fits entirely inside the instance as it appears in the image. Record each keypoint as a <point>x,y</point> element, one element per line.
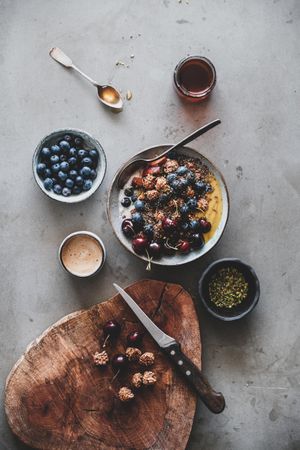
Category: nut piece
<point>149,378</point>
<point>170,166</point>
<point>161,184</point>
<point>101,359</point>
<point>133,354</point>
<point>137,380</point>
<point>149,181</point>
<point>152,195</point>
<point>203,204</point>
<point>125,394</point>
<point>147,359</point>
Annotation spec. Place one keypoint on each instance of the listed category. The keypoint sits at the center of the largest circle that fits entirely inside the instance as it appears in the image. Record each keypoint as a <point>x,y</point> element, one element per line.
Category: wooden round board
<point>57,399</point>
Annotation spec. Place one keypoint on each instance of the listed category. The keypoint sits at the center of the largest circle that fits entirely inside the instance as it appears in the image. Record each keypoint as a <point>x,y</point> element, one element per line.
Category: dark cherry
<point>169,225</point>
<point>127,228</point>
<point>184,247</point>
<point>154,249</point>
<point>205,226</point>
<point>139,244</point>
<point>134,339</point>
<point>112,328</point>
<point>196,240</point>
<point>119,361</point>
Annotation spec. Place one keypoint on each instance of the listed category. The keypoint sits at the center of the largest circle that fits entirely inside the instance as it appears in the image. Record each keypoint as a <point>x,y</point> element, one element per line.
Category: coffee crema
<point>82,255</point>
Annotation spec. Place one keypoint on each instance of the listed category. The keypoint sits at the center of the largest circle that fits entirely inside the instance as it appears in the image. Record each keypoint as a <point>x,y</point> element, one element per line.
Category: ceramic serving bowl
<point>241,310</point>
<point>175,260</point>
<point>89,143</point>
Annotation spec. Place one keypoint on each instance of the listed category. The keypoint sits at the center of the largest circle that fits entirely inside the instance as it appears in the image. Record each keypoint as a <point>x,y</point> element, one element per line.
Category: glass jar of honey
<point>194,78</point>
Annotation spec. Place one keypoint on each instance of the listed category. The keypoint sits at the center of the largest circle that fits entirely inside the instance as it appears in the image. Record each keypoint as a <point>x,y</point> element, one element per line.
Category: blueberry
<point>68,138</point>
<point>66,192</point>
<point>171,177</point>
<point>137,220</point>
<point>55,168</point>
<point>139,205</point>
<point>196,240</point>
<point>184,209</point>
<point>87,184</point>
<point>45,153</point>
<point>182,170</point>
<point>183,183</point>
<point>69,183</point>
<point>179,185</point>
<point>85,172</point>
<point>40,168</point>
<point>82,153</point>
<point>63,157</point>
<point>194,225</point>
<point>93,174</point>
<point>76,190</point>
<point>190,177</point>
<point>64,145</point>
<point>94,155</point>
<point>73,174</point>
<point>47,173</point>
<point>48,184</point>
<point>78,141</point>
<point>57,189</point>
<point>55,150</point>
<point>163,199</point>
<point>87,162</point>
<point>200,187</point>
<point>72,161</point>
<point>64,166</point>
<point>176,185</point>
<point>54,159</point>
<point>134,198</point>
<point>192,204</point>
<point>79,181</point>
<point>148,230</point>
<point>184,226</point>
<point>62,175</point>
<point>128,192</point>
<point>73,152</point>
<point>126,202</point>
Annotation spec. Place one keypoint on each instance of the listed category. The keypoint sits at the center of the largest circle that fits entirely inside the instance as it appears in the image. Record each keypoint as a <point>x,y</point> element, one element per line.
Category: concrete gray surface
<point>255,48</point>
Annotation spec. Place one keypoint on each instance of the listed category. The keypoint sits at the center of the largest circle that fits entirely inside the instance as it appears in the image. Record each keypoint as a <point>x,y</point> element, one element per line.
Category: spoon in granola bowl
<point>136,162</point>
<point>107,94</point>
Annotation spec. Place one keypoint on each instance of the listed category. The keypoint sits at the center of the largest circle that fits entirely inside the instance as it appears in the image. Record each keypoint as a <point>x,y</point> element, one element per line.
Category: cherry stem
<point>106,339</point>
<point>149,261</point>
<point>115,376</point>
<point>170,246</point>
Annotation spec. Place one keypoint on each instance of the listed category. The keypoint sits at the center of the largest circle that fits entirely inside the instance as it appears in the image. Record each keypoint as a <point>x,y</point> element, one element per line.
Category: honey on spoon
<point>107,94</point>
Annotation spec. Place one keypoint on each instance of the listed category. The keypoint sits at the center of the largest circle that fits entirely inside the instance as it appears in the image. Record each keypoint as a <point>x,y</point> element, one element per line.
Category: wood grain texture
<point>57,399</point>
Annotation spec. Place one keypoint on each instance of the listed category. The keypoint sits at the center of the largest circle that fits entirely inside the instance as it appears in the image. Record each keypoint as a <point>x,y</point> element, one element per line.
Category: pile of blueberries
<point>67,168</point>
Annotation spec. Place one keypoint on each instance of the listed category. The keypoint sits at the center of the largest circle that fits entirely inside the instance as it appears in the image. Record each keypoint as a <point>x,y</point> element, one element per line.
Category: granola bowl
<point>172,211</point>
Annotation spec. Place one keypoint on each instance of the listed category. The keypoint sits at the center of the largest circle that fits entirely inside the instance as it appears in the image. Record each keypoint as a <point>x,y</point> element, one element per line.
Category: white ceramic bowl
<point>177,259</point>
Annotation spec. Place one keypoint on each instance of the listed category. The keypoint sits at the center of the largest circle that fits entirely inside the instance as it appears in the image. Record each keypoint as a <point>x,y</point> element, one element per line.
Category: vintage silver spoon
<point>107,94</point>
<point>137,161</point>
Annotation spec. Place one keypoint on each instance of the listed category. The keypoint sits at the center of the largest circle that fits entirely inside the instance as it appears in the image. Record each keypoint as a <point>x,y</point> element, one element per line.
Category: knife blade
<point>212,399</point>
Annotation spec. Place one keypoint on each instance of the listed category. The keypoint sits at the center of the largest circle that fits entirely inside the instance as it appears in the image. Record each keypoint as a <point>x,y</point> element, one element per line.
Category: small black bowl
<point>239,311</point>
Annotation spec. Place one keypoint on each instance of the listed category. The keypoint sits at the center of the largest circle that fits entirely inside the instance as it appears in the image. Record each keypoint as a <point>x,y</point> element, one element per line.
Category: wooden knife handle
<point>214,401</point>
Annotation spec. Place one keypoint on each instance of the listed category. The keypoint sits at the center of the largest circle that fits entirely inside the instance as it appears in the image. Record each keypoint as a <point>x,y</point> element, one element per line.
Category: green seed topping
<point>228,288</point>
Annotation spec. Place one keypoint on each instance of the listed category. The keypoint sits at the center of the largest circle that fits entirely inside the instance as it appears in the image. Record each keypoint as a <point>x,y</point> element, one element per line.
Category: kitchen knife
<point>213,400</point>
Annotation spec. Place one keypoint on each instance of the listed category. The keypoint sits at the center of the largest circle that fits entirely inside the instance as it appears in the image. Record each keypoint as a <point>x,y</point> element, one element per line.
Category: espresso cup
<point>82,254</point>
